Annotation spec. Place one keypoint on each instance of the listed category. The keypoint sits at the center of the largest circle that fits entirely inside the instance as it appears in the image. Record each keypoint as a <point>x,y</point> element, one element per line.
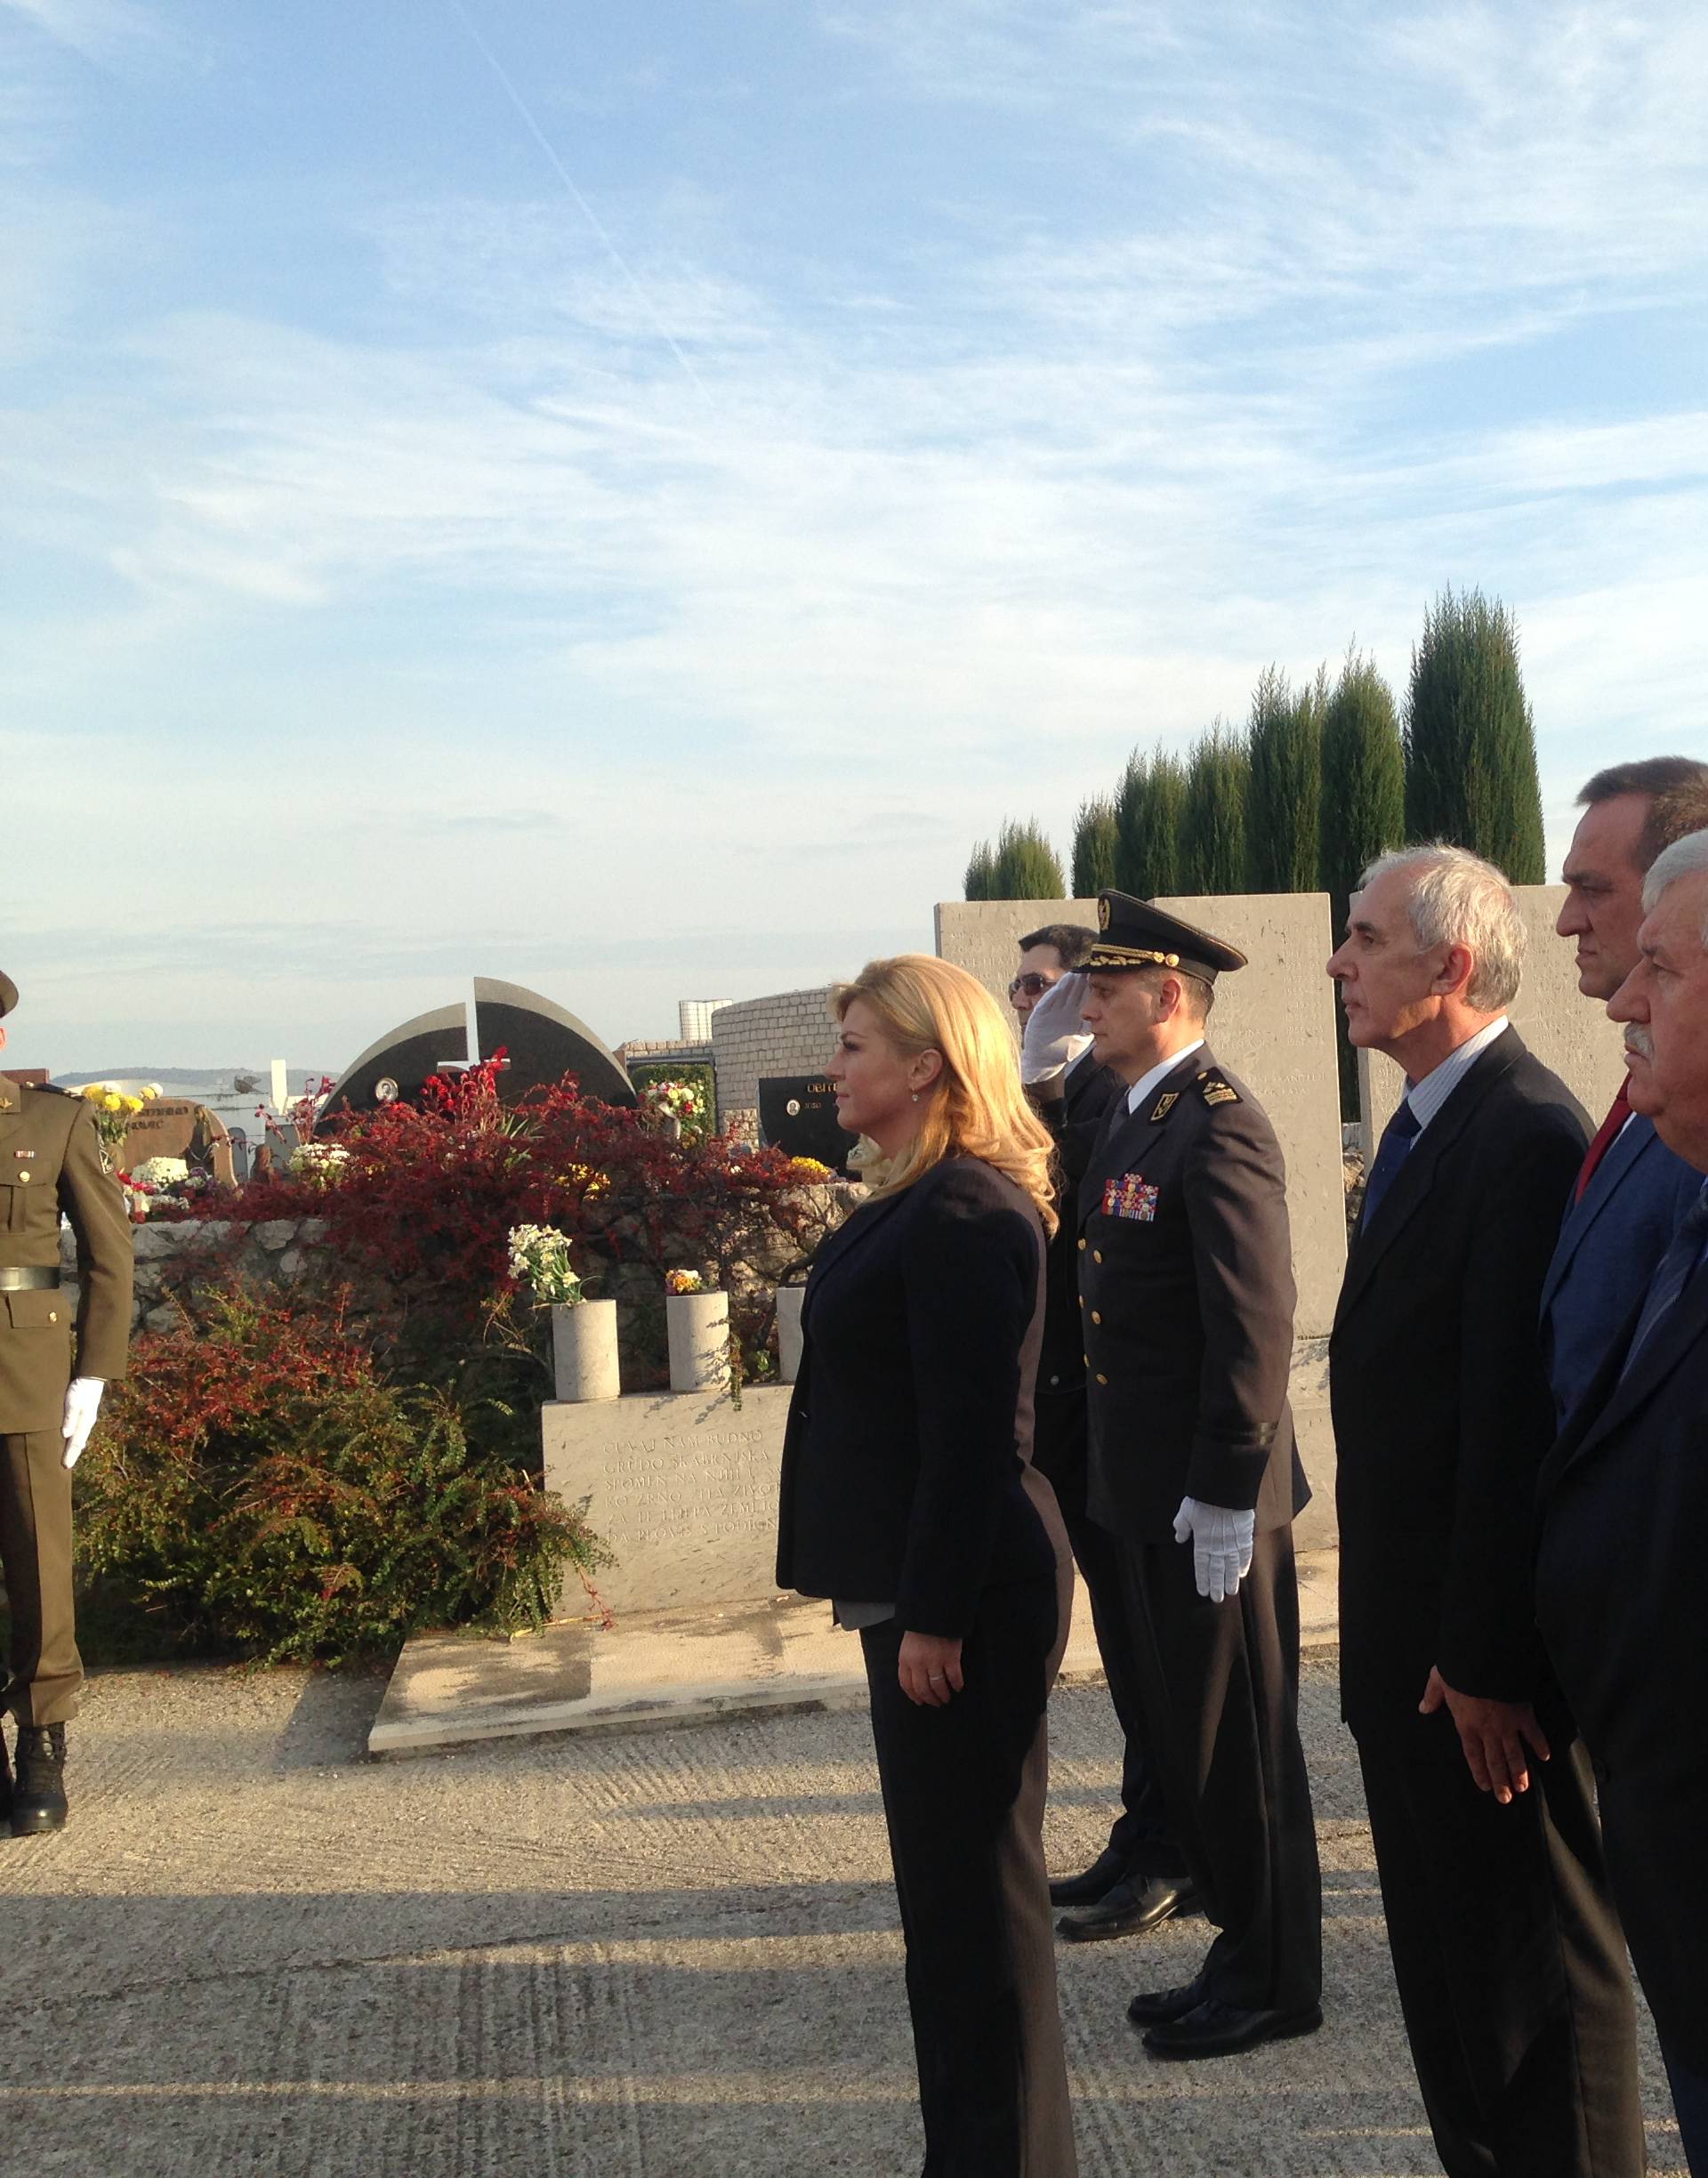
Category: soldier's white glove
<point>82,1405</point>
<point>1053,1038</point>
<point>1221,1545</point>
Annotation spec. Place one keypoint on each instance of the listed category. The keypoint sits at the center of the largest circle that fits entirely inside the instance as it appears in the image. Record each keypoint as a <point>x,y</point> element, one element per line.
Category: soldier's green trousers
<point>45,1671</point>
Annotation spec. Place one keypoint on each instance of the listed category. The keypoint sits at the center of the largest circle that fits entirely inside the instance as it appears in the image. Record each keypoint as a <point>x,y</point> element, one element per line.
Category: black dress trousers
<point>1220,1686</point>
<point>1141,1833</point>
<point>963,1793</point>
<point>1510,1970</point>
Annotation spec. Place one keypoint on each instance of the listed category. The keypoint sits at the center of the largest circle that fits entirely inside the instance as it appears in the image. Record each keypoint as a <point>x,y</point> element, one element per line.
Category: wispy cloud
<point>1265,323</point>
<point>99,29</point>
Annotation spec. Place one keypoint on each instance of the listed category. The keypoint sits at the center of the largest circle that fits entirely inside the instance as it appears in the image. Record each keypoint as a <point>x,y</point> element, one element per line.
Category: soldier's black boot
<point>38,1796</point>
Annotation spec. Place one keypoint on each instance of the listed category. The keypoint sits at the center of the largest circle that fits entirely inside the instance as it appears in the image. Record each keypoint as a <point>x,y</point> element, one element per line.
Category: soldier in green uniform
<point>50,1161</point>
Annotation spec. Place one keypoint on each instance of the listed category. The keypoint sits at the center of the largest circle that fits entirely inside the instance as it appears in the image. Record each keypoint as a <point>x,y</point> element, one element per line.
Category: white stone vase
<point>698,1328</point>
<point>583,1350</point>
<point>790,1338</point>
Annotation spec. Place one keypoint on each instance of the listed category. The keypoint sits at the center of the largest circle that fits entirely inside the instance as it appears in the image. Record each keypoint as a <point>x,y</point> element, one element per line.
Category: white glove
<point>82,1405</point>
<point>1221,1545</point>
<point>1053,1038</point>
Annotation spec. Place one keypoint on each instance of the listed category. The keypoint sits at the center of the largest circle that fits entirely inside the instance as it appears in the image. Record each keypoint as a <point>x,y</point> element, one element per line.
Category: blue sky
<point>624,519</point>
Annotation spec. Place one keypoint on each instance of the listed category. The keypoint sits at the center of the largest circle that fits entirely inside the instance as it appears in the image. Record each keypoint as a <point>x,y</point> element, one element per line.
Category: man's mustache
<point>1641,1042</point>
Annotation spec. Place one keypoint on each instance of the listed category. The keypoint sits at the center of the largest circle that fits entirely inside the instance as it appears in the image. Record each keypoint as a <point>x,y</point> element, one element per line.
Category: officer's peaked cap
<point>1131,933</point>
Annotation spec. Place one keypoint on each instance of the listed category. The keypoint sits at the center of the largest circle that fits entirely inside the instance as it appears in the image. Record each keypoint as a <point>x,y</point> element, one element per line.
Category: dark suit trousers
<point>1510,1961</point>
<point>1141,1833</point>
<point>1652,1827</point>
<point>1219,1685</point>
<point>963,1792</point>
<point>47,1672</point>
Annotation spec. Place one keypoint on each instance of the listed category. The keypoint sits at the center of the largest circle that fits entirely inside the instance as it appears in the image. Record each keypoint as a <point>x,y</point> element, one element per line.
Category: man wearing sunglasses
<point>1119,1894</point>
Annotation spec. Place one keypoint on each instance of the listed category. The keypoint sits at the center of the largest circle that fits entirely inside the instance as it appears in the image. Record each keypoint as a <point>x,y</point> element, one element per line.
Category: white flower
<point>161,1172</point>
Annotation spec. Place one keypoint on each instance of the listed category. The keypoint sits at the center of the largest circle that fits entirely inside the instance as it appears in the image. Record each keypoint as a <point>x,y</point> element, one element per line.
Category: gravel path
<point>670,1955</point>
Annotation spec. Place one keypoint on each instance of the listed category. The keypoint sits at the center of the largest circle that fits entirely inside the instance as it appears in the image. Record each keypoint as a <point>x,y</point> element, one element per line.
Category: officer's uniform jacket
<point>50,1161</point>
<point>1186,1289</point>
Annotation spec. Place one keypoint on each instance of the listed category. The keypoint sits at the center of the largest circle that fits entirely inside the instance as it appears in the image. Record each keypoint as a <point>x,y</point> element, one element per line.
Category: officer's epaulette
<point>1215,1088</point>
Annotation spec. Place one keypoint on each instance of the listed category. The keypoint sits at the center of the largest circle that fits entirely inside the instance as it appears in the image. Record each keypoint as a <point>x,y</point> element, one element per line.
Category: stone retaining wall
<point>274,1253</point>
<point>762,1037</point>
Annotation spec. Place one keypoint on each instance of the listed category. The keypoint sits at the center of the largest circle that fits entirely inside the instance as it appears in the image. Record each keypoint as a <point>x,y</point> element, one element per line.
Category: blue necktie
<point>1672,1274</point>
<point>1397,1139</point>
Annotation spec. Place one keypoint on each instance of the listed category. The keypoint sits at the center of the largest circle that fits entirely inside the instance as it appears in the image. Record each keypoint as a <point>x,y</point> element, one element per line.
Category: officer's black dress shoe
<point>38,1796</point>
<point>1151,2006</point>
<point>1139,1902</point>
<point>1214,2029</point>
<point>1109,1868</point>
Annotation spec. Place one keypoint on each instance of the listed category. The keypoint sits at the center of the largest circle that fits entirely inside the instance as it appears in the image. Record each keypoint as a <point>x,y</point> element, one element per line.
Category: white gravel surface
<point>664,1954</point>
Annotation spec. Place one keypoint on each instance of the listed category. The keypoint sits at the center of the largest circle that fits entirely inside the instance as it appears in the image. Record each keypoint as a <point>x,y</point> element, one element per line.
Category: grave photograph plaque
<point>797,1114</point>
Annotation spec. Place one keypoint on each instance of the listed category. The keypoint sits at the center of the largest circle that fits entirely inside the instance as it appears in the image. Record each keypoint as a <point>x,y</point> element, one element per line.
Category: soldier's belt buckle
<point>29,1278</point>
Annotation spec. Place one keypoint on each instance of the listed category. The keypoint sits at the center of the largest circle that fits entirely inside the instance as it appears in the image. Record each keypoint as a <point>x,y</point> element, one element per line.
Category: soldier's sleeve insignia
<point>1132,1195</point>
<point>1164,1105</point>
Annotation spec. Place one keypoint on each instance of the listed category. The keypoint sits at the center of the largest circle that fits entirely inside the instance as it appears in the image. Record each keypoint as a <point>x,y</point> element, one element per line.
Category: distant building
<point>694,1018</point>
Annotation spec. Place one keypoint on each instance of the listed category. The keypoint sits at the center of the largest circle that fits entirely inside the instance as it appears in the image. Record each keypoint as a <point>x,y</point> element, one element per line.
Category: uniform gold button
<point>1086,1358</point>
<point>1097,1255</point>
<point>1097,1316</point>
<point>23,1179</point>
<point>1081,1250</point>
<point>1101,1378</point>
<point>1082,1300</point>
<point>53,1315</point>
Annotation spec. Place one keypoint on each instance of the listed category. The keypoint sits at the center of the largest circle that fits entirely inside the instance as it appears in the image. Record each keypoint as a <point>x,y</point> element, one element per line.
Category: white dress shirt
<point>1426,1097</point>
<point>1146,1082</point>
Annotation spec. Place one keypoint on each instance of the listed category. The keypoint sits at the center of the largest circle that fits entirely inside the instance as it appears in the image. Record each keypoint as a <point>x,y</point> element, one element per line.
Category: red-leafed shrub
<point>257,1484</point>
<point>424,1199</point>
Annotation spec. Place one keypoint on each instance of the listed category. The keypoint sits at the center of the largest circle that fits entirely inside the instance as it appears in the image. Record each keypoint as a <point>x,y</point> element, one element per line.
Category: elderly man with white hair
<point>1621,1596</point>
<point>1507,1952</point>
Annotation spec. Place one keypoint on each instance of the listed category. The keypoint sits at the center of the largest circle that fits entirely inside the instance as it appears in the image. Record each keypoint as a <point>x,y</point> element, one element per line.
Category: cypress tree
<point>1470,740</point>
<point>1218,783</point>
<point>1364,808</point>
<point>1150,814</point>
<point>1096,843</point>
<point>1363,780</point>
<point>981,870</point>
<point>1026,866</point>
<point>1284,819</point>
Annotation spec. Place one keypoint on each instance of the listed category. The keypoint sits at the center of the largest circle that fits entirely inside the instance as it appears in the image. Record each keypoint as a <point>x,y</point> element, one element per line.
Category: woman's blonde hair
<point>976,1107</point>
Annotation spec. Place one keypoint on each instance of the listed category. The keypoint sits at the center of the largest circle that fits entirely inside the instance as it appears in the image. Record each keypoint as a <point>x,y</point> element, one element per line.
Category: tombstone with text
<point>797,1114</point>
<point>682,1490</point>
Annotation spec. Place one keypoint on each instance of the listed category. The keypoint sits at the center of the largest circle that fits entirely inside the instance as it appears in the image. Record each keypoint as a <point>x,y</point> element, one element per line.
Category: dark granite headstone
<point>797,1114</point>
<point>540,1041</point>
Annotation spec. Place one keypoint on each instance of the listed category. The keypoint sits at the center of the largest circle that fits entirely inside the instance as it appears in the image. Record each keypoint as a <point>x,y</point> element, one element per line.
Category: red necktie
<point>1606,1136</point>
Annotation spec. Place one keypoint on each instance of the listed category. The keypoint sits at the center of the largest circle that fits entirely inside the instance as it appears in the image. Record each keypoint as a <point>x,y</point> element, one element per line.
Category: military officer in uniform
<point>1185,1277</point>
<point>51,1162</point>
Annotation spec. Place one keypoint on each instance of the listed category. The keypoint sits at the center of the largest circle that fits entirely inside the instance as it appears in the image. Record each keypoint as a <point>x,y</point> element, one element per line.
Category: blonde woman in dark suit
<point>909,1498</point>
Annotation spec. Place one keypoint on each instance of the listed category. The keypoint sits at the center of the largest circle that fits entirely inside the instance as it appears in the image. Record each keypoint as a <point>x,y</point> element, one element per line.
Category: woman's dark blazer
<point>906,1462</point>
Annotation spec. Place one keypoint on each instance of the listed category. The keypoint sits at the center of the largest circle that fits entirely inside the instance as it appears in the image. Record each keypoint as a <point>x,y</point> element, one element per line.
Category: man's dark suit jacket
<point>906,1469</point>
<point>1609,1247</point>
<point>1186,1272</point>
<point>1087,1094</point>
<point>1624,1612</point>
<point>1442,1413</point>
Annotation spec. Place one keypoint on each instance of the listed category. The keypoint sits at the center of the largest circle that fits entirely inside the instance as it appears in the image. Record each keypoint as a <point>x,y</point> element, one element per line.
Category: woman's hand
<point>930,1669</point>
